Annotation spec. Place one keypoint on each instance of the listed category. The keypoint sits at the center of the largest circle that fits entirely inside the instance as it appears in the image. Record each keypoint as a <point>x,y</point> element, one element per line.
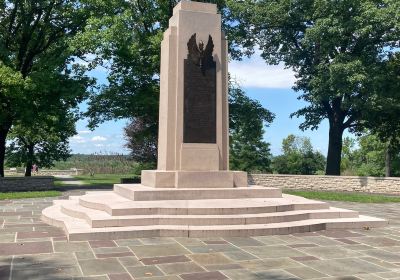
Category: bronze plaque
<point>200,124</point>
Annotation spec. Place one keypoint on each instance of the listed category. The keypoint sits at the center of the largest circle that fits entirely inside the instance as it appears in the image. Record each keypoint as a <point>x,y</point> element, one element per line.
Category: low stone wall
<point>328,183</point>
<point>49,172</point>
<point>20,184</point>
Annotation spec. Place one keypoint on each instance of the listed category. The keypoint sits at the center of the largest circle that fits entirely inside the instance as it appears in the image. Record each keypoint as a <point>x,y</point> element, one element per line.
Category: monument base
<point>135,211</point>
<point>194,179</point>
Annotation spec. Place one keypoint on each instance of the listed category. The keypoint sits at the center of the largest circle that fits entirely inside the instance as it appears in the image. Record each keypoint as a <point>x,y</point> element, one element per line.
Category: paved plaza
<point>30,249</point>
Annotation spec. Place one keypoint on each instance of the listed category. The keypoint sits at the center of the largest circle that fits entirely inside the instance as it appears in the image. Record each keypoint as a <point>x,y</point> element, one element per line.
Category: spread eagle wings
<point>210,47</point>
<point>196,55</point>
<point>194,52</point>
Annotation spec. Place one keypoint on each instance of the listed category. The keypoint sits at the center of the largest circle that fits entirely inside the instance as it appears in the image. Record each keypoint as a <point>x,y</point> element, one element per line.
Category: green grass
<point>102,179</point>
<point>19,195</point>
<point>349,197</point>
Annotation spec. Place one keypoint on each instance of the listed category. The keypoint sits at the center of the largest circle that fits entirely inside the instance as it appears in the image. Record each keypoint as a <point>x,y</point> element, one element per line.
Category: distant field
<point>99,164</point>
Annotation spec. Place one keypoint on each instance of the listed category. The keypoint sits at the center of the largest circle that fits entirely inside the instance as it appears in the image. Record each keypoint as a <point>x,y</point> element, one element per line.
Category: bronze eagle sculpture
<point>200,56</point>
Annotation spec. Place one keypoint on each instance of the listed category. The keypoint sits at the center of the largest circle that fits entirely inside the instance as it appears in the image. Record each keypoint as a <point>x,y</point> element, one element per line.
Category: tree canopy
<point>36,57</point>
<point>42,142</point>
<point>299,157</point>
<point>334,47</point>
<point>367,156</point>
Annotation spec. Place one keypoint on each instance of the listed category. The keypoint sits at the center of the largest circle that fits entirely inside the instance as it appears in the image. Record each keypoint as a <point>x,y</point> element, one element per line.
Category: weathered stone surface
<point>20,184</point>
<point>215,275</point>
<point>193,100</point>
<point>376,255</point>
<point>7,249</point>
<point>163,260</point>
<point>101,266</point>
<point>328,183</point>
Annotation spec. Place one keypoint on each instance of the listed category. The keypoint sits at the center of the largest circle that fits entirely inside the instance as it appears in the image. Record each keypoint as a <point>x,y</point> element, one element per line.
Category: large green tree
<point>299,157</point>
<point>127,43</point>
<point>42,142</point>
<point>36,53</point>
<point>386,108</point>
<point>334,47</point>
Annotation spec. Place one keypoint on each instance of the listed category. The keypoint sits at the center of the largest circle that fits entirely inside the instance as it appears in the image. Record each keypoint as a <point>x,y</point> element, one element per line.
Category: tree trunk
<point>29,162</point>
<point>3,136</point>
<point>4,130</point>
<point>388,162</point>
<point>334,150</point>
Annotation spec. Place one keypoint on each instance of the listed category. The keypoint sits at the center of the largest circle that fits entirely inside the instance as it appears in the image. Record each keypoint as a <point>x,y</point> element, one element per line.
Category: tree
<point>369,158</point>
<point>36,146</point>
<point>142,142</point>
<point>127,43</point>
<point>12,86</point>
<point>348,156</point>
<point>35,49</point>
<point>43,143</point>
<point>247,119</point>
<point>334,47</point>
<point>298,157</point>
<point>386,98</point>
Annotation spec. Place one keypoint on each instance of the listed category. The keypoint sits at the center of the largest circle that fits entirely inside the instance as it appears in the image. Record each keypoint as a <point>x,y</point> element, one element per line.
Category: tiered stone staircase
<point>132,211</point>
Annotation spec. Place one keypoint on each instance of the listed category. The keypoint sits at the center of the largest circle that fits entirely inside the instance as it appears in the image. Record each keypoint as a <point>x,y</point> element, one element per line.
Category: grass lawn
<point>350,197</point>
<point>19,195</point>
<point>102,179</point>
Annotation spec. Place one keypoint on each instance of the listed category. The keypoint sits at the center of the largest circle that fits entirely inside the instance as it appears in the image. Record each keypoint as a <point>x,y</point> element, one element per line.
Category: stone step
<point>98,219</point>
<point>142,193</point>
<point>78,229</point>
<point>116,205</point>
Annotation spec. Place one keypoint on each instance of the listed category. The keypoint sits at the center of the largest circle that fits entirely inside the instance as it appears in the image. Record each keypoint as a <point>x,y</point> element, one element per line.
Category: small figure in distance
<point>35,168</point>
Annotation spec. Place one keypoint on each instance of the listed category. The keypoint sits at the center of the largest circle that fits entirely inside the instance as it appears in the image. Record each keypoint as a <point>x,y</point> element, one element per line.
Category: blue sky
<point>271,85</point>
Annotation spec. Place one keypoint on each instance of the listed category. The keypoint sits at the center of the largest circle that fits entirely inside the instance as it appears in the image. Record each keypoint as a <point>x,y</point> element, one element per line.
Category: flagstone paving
<point>31,250</point>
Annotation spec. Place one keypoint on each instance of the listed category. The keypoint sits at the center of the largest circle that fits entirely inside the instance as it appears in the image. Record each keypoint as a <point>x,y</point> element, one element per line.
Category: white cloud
<point>84,132</point>
<point>99,139</point>
<point>254,72</point>
<point>78,139</point>
<point>99,145</point>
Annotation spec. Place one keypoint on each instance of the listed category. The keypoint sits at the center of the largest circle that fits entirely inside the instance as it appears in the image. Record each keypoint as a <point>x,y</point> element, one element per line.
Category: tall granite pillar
<point>193,144</point>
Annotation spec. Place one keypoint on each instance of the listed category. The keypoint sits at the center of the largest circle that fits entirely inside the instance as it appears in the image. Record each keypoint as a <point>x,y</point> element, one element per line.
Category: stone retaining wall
<point>328,183</point>
<point>50,172</point>
<point>20,184</point>
<point>72,172</point>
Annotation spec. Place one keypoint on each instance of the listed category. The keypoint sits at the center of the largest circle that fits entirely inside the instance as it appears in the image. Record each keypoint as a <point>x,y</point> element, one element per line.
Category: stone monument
<point>193,135</point>
<point>193,193</point>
